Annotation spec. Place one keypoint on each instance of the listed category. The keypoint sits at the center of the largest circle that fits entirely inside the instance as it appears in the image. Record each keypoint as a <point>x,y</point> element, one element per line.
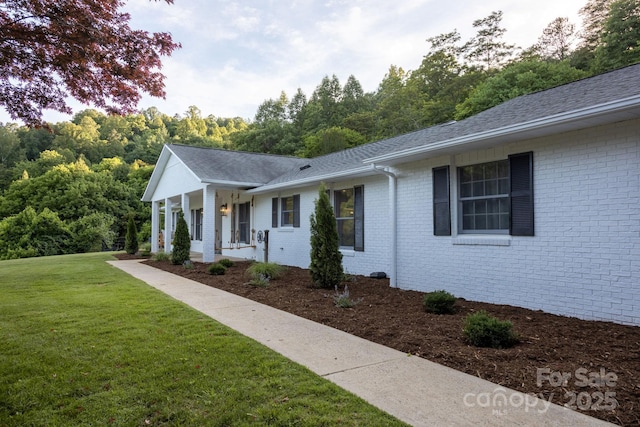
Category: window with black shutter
<point>349,212</point>
<point>493,198</point>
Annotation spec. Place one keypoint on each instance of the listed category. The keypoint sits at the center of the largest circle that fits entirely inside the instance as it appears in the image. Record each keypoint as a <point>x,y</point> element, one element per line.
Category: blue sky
<point>235,54</point>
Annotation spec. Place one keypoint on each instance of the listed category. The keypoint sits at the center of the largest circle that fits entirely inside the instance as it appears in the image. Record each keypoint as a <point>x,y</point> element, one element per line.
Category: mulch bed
<point>606,352</point>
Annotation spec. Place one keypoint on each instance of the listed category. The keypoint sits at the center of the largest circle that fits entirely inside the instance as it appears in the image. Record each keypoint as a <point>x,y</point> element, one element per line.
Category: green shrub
<point>483,330</point>
<point>226,262</point>
<point>145,249</point>
<point>216,269</point>
<point>439,302</point>
<point>265,270</point>
<point>161,256</point>
<point>261,281</point>
<point>181,242</point>
<point>131,238</point>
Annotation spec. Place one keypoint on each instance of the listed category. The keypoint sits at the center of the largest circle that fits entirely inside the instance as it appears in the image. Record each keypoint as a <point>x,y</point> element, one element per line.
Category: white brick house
<point>533,203</point>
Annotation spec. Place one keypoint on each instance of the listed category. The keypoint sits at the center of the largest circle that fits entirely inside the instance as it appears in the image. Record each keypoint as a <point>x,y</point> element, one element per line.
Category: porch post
<point>155,225</point>
<point>186,211</point>
<point>209,223</point>
<point>168,217</point>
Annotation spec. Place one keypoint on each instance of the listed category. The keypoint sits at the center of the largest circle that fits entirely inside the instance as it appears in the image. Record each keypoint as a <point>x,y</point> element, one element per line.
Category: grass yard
<point>82,343</point>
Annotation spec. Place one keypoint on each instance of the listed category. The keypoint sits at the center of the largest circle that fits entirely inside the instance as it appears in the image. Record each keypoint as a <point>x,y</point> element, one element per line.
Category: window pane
<point>466,190</point>
<point>503,186</point>
<point>491,187</point>
<point>478,189</point>
<point>484,196</point>
<point>344,203</point>
<point>345,232</point>
<point>287,211</point>
<point>344,211</point>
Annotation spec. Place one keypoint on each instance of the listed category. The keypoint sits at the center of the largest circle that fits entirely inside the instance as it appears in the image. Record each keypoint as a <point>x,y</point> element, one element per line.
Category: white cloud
<point>236,54</point>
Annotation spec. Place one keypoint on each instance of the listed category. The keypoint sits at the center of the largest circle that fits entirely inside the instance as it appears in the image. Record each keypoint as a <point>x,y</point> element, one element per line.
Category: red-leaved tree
<point>53,49</point>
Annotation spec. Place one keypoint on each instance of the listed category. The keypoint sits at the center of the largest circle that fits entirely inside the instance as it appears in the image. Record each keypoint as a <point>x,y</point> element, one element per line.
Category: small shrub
<point>439,302</point>
<point>161,256</point>
<point>216,269</point>
<point>181,242</point>
<point>261,281</point>
<point>226,262</point>
<point>188,265</point>
<point>483,330</point>
<point>270,270</point>
<point>145,249</point>
<point>343,300</point>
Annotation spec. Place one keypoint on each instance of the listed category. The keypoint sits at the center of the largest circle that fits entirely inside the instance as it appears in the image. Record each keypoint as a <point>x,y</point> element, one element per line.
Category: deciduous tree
<point>620,44</point>
<point>53,49</point>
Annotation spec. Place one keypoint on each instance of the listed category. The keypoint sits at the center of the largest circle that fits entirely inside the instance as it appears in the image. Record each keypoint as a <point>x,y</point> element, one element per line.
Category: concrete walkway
<point>415,390</point>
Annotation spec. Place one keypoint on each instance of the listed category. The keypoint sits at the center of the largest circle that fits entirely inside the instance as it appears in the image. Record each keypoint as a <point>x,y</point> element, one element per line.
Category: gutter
<point>393,274</point>
<point>545,122</point>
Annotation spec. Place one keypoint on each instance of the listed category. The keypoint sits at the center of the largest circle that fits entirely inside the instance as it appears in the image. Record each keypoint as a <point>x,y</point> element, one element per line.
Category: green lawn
<point>82,343</point>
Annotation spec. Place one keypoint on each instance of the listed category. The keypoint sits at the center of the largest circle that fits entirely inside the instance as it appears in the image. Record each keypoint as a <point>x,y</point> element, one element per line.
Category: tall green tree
<point>326,259</point>
<point>487,49</point>
<point>331,140</point>
<point>517,79</point>
<point>396,104</point>
<point>557,40</point>
<point>594,14</point>
<point>620,40</point>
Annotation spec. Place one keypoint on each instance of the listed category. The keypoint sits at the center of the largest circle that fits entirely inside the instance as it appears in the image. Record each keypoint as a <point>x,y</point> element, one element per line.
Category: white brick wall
<point>584,260</point>
<point>290,246</point>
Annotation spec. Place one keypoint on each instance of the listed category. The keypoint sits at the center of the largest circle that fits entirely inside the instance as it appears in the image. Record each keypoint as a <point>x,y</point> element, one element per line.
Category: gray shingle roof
<point>215,165</point>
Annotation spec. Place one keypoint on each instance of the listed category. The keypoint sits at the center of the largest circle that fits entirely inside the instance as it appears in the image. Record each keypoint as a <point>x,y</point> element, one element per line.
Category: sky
<point>238,53</point>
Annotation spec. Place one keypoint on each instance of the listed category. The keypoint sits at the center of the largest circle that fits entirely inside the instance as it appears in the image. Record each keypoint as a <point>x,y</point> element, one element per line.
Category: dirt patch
<point>607,352</point>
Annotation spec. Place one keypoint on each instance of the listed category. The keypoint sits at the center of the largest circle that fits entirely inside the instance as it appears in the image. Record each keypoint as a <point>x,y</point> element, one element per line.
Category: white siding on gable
<point>175,179</point>
<point>584,259</point>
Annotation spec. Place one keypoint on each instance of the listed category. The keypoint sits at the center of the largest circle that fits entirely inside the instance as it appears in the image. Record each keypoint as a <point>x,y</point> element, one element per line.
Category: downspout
<point>394,222</point>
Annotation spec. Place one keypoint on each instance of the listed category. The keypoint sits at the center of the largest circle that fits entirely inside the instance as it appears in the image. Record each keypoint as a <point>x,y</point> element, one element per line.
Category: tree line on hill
<point>71,188</point>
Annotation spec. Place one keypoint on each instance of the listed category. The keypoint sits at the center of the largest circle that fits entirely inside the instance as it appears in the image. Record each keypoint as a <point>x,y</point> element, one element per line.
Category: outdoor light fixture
<point>223,209</point>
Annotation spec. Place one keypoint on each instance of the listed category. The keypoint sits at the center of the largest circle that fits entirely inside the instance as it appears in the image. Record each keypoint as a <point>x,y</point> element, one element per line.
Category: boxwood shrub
<point>484,330</point>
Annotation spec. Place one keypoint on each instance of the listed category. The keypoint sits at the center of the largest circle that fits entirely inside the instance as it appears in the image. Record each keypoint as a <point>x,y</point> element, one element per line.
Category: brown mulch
<point>608,353</point>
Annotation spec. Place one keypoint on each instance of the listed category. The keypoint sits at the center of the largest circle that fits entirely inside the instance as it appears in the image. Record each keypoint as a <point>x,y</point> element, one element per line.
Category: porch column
<point>209,223</point>
<point>186,211</point>
<point>168,218</point>
<point>155,225</point>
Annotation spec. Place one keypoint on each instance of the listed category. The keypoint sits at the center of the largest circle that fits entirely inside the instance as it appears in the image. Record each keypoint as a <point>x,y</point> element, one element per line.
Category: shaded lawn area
<point>85,344</point>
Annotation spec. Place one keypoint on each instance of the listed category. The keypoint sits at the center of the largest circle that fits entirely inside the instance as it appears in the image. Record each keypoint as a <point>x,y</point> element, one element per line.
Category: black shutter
<point>521,194</point>
<point>441,202</point>
<point>274,212</point>
<point>358,217</point>
<point>296,210</point>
